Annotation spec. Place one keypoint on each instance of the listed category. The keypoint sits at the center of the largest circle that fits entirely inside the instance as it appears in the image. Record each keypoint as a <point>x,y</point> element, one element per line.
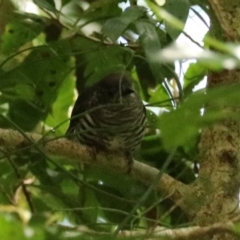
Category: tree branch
<point>195,232</point>
<point>13,140</point>
<point>187,233</point>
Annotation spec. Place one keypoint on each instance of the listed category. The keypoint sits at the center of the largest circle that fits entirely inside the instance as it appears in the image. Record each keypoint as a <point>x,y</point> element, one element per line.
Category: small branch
<point>188,233</point>
<point>195,232</point>
<point>13,140</point>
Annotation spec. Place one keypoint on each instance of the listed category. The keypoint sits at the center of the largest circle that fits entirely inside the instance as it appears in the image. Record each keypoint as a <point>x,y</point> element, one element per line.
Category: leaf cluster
<point>68,45</point>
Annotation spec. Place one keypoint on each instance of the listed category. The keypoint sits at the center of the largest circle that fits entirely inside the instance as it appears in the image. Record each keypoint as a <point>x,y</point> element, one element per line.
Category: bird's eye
<point>127,91</point>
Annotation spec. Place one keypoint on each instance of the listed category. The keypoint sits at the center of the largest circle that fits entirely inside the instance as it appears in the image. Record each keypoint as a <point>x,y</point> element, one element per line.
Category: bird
<point>109,116</point>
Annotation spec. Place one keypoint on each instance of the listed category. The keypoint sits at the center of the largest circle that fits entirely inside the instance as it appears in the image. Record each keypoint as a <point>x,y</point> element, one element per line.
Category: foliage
<point>71,44</point>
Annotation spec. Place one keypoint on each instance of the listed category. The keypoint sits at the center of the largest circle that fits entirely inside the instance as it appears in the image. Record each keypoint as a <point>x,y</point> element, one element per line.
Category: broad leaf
<point>47,4</point>
<point>179,10</point>
<point>115,27</point>
<point>18,33</point>
<point>180,126</point>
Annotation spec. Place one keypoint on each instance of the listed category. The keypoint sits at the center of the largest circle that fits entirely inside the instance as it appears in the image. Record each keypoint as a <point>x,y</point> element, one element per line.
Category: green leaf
<point>195,73</point>
<point>180,126</point>
<point>65,2</point>
<point>11,228</point>
<point>149,39</point>
<point>123,188</point>
<point>18,33</point>
<point>91,204</point>
<point>236,228</point>
<point>158,95</point>
<point>25,115</point>
<point>8,180</point>
<point>42,74</point>
<point>179,10</point>
<point>115,27</point>
<point>161,14</point>
<point>105,60</point>
<point>59,112</point>
<point>101,10</point>
<point>151,45</point>
<point>183,124</point>
<point>47,4</point>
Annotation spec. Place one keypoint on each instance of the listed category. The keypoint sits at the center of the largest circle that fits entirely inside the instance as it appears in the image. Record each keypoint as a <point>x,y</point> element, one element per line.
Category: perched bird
<point>109,116</point>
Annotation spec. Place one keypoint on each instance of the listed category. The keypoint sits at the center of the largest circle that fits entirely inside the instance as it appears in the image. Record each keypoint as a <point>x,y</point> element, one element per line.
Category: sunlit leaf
<point>47,4</point>
<point>59,110</point>
<point>194,74</point>
<point>11,228</point>
<point>18,33</point>
<point>209,59</point>
<point>158,96</point>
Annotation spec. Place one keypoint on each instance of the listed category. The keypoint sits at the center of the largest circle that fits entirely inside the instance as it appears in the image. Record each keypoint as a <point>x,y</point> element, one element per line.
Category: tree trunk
<point>218,181</point>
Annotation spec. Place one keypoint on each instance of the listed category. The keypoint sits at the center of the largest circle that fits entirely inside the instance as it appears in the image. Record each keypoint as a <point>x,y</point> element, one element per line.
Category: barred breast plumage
<point>109,116</point>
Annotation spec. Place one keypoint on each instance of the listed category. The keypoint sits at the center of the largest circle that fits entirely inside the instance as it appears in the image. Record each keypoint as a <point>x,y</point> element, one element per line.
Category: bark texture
<point>217,186</point>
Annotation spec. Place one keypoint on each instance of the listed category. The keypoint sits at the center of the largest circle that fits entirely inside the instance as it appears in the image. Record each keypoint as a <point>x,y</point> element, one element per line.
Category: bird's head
<point>115,88</point>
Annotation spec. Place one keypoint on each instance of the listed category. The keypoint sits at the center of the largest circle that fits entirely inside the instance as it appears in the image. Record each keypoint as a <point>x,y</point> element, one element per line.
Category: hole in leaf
<point>53,71</point>
<point>39,93</point>
<point>52,84</point>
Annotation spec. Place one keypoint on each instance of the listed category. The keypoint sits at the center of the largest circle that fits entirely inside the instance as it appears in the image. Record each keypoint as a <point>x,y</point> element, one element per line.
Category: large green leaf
<point>11,228</point>
<point>179,10</point>
<point>150,41</point>
<point>114,27</point>
<point>180,126</point>
<point>100,11</point>
<point>33,87</point>
<point>59,111</point>
<point>25,115</point>
<point>18,33</point>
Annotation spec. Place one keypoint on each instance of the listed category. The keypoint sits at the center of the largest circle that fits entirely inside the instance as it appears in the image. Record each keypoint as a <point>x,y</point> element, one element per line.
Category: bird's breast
<point>116,143</point>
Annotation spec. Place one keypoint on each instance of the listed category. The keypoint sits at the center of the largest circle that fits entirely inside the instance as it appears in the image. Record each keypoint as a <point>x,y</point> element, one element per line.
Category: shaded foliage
<point>46,56</point>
